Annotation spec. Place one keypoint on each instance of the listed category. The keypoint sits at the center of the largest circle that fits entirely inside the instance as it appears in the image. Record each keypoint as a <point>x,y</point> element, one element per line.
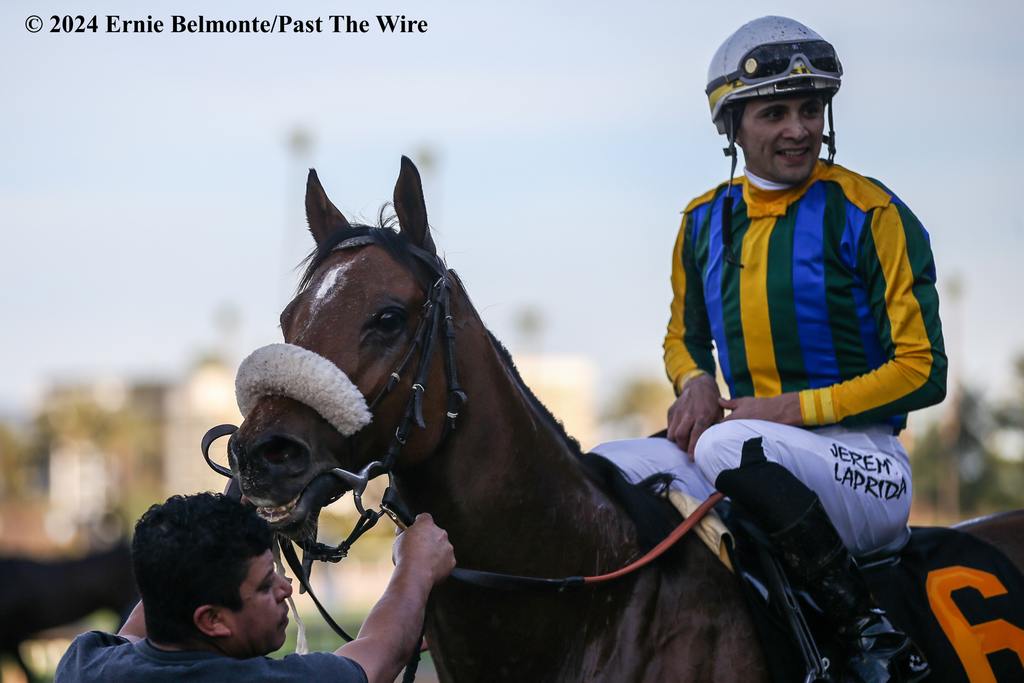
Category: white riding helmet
<point>770,56</point>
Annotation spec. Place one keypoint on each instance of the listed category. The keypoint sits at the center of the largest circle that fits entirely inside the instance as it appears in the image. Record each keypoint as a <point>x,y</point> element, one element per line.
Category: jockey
<point>816,288</point>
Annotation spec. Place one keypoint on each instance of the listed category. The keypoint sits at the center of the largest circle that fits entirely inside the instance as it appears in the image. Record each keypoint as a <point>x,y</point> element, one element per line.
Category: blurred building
<point>121,444</point>
<point>100,438</point>
<point>205,397</point>
<point>567,385</point>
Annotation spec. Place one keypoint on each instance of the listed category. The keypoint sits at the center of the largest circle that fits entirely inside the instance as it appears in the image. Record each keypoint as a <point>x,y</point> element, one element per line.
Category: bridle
<point>436,312</point>
<point>435,320</point>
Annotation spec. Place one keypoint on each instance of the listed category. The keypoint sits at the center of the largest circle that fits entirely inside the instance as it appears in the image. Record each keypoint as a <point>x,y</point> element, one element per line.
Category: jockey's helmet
<point>770,56</point>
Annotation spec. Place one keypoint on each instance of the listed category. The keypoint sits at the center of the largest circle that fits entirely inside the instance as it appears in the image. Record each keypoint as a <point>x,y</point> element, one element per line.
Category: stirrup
<point>881,653</point>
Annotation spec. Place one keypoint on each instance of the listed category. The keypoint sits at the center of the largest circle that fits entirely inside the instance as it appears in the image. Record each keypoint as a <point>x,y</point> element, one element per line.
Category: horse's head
<point>367,306</point>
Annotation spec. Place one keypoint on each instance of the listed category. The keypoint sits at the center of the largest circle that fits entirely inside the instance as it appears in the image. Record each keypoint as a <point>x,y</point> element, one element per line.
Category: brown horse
<point>507,483</point>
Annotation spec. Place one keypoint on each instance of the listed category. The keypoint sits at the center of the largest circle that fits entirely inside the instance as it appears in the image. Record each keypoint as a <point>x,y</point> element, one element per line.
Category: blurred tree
<point>125,428</point>
<point>972,440</point>
<point>300,143</point>
<point>428,158</point>
<point>13,475</point>
<point>639,406</point>
<point>1011,414</point>
<point>529,324</point>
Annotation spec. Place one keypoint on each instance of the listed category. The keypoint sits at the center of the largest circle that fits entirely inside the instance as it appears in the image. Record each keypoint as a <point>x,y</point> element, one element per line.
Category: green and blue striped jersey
<point>829,291</point>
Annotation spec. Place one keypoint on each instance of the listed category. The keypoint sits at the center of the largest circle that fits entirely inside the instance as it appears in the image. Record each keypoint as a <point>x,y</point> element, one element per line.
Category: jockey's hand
<point>696,409</point>
<point>784,409</point>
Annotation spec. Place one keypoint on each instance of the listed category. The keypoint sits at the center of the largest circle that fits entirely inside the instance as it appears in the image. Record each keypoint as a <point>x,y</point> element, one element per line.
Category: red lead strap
<point>659,550</point>
<point>512,582</point>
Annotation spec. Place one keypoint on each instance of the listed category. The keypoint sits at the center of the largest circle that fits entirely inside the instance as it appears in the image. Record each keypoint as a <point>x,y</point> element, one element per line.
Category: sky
<point>146,180</point>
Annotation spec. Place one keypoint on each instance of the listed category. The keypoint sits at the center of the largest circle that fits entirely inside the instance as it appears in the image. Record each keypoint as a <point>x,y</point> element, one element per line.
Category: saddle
<point>959,598</point>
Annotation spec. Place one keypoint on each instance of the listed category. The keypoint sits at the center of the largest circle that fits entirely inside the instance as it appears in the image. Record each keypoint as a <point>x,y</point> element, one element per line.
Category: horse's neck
<point>509,488</point>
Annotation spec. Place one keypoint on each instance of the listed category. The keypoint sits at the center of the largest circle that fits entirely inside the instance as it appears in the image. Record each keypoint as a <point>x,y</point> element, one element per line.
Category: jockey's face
<point>781,138</point>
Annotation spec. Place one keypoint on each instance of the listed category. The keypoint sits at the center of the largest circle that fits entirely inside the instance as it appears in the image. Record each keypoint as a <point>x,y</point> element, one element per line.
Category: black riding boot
<point>811,549</point>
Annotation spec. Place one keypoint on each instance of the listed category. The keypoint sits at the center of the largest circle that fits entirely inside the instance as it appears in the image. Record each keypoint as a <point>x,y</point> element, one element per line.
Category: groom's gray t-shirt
<point>98,656</point>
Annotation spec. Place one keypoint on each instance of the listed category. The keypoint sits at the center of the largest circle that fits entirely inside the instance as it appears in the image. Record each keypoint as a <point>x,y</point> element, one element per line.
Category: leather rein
<point>436,312</point>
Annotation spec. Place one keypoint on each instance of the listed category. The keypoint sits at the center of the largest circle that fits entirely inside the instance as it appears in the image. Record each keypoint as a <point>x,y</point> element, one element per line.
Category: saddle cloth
<point>961,600</point>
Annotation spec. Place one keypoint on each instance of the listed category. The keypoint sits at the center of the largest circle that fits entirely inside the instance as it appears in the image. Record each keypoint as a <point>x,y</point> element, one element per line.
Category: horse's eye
<point>389,321</point>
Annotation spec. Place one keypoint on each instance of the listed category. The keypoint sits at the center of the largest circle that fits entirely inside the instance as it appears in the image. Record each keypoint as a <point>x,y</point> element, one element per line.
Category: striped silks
<point>835,299</point>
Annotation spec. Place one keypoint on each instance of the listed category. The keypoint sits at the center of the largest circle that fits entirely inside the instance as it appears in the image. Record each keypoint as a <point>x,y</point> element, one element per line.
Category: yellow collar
<point>764,203</point>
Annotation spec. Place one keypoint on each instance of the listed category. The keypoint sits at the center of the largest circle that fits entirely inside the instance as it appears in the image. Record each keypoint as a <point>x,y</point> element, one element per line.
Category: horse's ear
<point>410,207</point>
<point>323,217</point>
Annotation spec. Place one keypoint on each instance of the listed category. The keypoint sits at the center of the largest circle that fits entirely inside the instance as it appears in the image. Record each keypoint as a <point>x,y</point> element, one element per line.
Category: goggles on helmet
<point>770,61</point>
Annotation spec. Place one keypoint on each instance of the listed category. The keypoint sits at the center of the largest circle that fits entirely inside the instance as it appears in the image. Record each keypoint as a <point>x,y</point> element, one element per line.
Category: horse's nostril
<point>278,449</point>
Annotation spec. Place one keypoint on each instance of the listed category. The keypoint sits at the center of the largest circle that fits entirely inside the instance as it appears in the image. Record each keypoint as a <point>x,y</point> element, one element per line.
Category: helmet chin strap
<point>730,151</point>
<point>830,139</point>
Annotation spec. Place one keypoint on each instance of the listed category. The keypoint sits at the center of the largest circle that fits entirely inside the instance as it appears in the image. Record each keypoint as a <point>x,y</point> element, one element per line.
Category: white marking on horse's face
<point>326,289</point>
<point>330,279</point>
<point>331,284</point>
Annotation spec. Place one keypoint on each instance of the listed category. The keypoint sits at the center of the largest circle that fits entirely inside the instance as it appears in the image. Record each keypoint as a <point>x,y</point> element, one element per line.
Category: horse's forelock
<point>383,234</point>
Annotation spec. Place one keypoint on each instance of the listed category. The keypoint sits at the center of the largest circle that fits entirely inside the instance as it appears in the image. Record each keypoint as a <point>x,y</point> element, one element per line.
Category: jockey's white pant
<point>861,476</point>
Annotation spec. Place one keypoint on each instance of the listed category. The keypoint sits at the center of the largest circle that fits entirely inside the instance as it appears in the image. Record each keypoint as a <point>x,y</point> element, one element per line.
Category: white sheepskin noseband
<point>307,377</point>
